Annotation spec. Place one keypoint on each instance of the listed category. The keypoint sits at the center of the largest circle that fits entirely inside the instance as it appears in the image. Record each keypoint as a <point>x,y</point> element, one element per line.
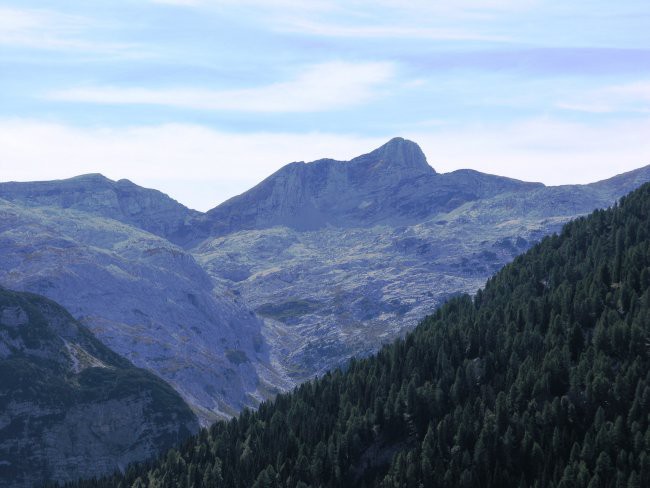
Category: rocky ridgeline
<point>393,185</point>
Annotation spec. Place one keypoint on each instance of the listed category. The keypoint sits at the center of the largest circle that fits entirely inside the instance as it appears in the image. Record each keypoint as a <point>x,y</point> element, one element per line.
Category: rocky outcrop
<point>69,406</point>
<point>340,257</point>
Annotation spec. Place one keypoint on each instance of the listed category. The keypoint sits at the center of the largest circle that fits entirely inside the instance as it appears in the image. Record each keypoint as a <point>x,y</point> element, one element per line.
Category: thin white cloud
<point>352,6</point>
<point>316,28</point>
<point>321,87</point>
<point>267,5</point>
<point>49,30</point>
<point>552,151</point>
<point>629,97</point>
<point>423,20</point>
<point>201,167</point>
<point>377,19</point>
<point>180,3</point>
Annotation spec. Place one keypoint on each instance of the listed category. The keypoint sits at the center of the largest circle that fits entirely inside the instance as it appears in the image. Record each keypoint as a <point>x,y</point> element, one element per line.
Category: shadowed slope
<point>71,407</point>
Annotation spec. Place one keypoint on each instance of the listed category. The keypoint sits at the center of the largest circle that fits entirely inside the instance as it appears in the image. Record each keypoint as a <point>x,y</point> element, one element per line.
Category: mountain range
<point>541,379</point>
<point>319,262</point>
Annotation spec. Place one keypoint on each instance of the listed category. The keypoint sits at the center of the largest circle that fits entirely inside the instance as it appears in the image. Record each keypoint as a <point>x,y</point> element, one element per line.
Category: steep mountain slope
<point>121,200</point>
<point>69,406</point>
<point>340,257</point>
<point>541,380</point>
<point>145,298</point>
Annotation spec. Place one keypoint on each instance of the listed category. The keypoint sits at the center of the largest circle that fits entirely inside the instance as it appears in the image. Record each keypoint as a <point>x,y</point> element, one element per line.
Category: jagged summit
<point>101,180</point>
<point>398,155</point>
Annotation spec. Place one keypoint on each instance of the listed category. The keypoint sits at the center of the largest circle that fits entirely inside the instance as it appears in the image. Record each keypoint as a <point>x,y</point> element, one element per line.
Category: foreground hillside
<point>543,379</point>
<point>69,406</point>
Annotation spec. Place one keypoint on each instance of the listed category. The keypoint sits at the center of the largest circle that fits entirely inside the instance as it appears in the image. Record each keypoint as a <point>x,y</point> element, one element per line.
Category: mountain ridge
<point>123,200</point>
<point>393,183</point>
<point>399,161</point>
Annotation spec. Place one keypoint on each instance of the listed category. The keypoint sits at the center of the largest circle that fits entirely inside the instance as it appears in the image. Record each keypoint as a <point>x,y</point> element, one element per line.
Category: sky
<point>202,99</point>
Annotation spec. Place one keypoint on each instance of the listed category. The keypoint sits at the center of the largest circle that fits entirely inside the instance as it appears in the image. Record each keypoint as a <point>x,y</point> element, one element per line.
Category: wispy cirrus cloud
<point>381,19</point>
<point>347,7</point>
<point>179,3</point>
<point>267,5</point>
<point>54,31</point>
<point>411,32</point>
<point>321,87</point>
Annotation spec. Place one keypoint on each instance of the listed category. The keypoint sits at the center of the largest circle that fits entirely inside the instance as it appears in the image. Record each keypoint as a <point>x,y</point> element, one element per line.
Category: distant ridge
<point>122,200</point>
<point>393,184</point>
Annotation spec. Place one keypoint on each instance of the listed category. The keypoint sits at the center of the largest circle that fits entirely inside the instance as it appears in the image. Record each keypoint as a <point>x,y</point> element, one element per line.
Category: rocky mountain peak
<point>90,178</point>
<point>398,156</point>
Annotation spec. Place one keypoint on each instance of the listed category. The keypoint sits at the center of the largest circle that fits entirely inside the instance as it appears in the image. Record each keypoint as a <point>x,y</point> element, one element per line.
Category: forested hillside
<point>541,380</point>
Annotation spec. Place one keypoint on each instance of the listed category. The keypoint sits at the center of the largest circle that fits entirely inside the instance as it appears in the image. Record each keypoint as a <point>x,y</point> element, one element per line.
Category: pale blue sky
<point>203,98</point>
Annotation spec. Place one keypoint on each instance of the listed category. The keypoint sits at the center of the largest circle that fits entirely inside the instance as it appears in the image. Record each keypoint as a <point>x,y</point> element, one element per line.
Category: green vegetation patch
<point>288,310</point>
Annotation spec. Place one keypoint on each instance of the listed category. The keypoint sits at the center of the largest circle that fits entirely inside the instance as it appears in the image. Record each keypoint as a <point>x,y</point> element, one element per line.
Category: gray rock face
<point>70,407</point>
<point>145,298</point>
